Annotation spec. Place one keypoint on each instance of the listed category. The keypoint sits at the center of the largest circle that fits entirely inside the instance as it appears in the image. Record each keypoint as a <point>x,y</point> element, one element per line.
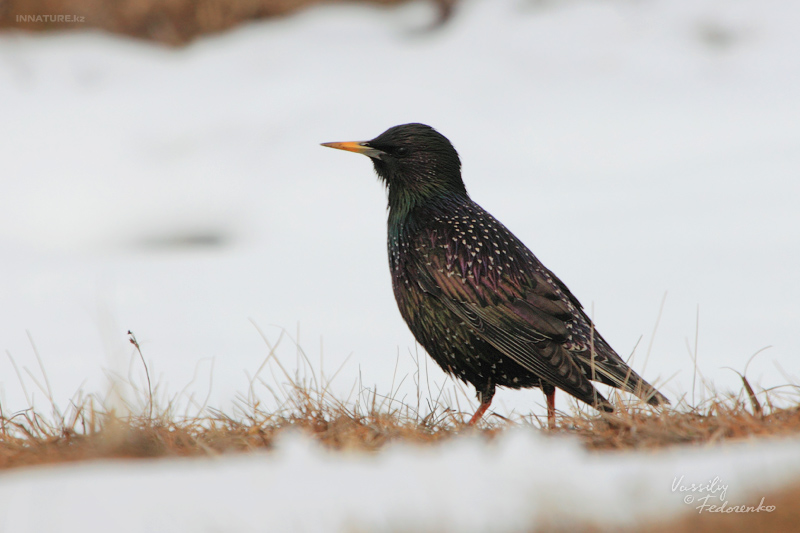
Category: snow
<point>464,485</point>
<point>640,149</point>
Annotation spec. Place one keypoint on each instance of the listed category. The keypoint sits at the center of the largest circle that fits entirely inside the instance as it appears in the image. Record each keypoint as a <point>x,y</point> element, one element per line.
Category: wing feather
<point>482,273</point>
<point>527,334</point>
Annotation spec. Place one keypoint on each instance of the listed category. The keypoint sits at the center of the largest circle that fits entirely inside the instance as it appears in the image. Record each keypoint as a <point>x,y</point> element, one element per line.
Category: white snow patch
<point>521,480</point>
<point>637,148</point>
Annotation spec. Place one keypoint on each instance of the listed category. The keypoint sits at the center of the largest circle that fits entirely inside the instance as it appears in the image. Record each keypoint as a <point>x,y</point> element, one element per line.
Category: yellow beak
<point>357,147</point>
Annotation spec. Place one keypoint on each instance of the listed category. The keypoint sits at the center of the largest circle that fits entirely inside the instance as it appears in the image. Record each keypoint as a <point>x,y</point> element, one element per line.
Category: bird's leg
<point>550,394</point>
<point>485,396</point>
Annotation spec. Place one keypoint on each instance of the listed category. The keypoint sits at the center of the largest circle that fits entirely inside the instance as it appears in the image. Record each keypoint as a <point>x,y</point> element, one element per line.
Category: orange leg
<point>479,413</point>
<point>485,397</point>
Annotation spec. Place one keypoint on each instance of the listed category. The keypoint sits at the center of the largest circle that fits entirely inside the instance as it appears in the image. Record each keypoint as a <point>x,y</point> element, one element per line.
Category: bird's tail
<point>608,368</point>
<point>645,391</point>
<point>623,377</point>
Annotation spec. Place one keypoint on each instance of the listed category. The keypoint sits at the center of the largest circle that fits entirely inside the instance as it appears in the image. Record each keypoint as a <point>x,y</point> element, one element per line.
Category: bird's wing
<point>520,313</point>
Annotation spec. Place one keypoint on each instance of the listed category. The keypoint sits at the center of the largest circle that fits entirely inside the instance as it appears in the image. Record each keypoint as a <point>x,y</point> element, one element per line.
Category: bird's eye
<point>403,150</point>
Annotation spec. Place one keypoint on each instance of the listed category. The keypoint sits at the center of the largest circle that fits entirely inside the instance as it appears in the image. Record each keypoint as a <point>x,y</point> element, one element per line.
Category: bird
<point>473,295</point>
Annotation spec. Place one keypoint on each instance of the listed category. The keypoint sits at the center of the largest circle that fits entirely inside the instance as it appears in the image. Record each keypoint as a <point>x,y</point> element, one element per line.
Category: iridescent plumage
<point>473,295</point>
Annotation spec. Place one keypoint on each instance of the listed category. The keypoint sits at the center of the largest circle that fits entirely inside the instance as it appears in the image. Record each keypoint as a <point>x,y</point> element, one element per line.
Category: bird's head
<point>416,162</point>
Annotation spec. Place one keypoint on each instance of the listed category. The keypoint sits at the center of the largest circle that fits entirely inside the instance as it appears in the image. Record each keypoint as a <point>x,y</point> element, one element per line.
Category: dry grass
<point>93,427</point>
<point>718,420</point>
<point>86,433</point>
<point>89,430</point>
<point>171,22</point>
<point>28,437</point>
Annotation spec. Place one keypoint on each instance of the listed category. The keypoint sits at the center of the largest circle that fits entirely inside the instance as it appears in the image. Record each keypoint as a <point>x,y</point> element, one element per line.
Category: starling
<point>473,295</point>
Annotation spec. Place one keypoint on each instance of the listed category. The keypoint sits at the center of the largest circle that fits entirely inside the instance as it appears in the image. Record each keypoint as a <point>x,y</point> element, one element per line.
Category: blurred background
<point>161,173</point>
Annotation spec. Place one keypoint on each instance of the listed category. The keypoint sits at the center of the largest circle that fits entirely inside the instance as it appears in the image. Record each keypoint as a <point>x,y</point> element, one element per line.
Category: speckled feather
<point>473,295</point>
<point>489,312</point>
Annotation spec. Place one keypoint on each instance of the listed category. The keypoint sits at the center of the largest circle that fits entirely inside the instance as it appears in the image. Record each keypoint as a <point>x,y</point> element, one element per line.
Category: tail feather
<point>607,367</point>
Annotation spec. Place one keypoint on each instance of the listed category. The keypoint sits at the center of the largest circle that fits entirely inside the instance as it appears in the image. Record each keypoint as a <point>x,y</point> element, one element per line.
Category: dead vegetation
<point>170,22</point>
<point>86,433</point>
<point>718,420</point>
<point>151,427</point>
<point>148,425</point>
